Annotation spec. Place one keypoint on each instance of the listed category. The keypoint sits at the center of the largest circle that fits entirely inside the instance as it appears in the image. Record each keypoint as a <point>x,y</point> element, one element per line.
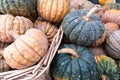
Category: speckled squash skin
<point>66,67</point>
<point>26,8</point>
<point>112,45</point>
<point>112,6</point>
<point>106,66</point>
<point>81,31</point>
<point>53,10</point>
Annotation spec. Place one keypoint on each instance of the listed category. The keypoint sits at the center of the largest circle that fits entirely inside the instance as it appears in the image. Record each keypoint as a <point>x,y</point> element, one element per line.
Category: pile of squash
<point>90,46</point>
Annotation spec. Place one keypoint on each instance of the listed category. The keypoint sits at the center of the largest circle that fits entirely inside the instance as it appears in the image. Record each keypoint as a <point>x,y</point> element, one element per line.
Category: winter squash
<point>101,40</point>
<point>83,28</point>
<point>26,8</point>
<point>102,2</point>
<point>53,10</point>
<point>111,16</point>
<point>112,6</point>
<point>112,45</point>
<point>10,24</point>
<point>106,66</point>
<point>81,4</point>
<point>3,65</point>
<point>97,51</point>
<point>48,28</point>
<point>109,29</point>
<point>74,63</point>
<point>26,50</point>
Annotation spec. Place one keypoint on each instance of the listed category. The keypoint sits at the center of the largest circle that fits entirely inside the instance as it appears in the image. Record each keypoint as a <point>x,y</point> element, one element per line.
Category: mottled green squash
<point>112,6</point>
<point>106,66</point>
<point>74,63</point>
<point>82,28</point>
<point>26,8</point>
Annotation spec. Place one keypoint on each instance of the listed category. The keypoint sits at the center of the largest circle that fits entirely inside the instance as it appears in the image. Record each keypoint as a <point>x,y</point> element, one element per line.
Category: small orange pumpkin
<point>53,10</point>
<point>10,24</point>
<point>111,16</point>
<point>48,28</point>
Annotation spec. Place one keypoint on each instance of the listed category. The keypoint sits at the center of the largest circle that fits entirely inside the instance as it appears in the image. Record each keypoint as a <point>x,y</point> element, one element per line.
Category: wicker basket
<point>39,71</point>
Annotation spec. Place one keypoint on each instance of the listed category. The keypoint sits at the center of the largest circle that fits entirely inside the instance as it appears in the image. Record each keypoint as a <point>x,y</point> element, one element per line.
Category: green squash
<point>112,45</point>
<point>26,8</point>
<point>82,29</point>
<point>106,66</point>
<point>112,6</point>
<point>74,63</point>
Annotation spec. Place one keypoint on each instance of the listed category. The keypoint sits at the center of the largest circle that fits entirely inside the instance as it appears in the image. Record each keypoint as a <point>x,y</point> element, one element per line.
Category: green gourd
<point>74,63</point>
<point>26,8</point>
<point>83,27</point>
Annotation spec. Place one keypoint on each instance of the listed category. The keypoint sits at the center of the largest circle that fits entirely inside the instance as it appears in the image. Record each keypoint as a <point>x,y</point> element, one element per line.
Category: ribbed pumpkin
<point>106,66</point>
<point>109,29</point>
<point>112,6</point>
<point>48,28</point>
<point>74,63</point>
<point>10,25</point>
<point>27,8</point>
<point>26,50</point>
<point>83,28</point>
<point>112,45</point>
<point>53,10</point>
<point>81,4</point>
<point>111,16</point>
<point>3,65</point>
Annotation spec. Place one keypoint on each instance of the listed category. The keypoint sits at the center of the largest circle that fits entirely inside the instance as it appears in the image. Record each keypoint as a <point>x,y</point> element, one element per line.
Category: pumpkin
<point>10,25</point>
<point>48,28</point>
<point>111,16</point>
<point>102,2</point>
<point>97,51</point>
<point>112,45</point>
<point>74,63</point>
<point>83,28</point>
<point>106,66</point>
<point>53,10</point>
<point>3,65</point>
<point>117,1</point>
<point>81,4</point>
<point>109,28</point>
<point>26,50</point>
<point>112,6</point>
<point>26,8</point>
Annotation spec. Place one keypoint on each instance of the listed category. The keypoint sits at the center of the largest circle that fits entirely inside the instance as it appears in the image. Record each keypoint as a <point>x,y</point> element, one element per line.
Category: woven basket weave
<point>39,71</point>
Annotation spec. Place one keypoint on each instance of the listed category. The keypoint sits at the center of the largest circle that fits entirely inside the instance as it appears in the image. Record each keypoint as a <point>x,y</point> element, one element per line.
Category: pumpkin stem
<point>93,10</point>
<point>103,77</point>
<point>70,51</point>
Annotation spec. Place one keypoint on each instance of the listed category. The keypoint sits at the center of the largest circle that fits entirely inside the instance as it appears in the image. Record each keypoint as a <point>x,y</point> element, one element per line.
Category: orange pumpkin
<point>53,10</point>
<point>26,50</point>
<point>10,24</point>
<point>48,28</point>
<point>111,16</point>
